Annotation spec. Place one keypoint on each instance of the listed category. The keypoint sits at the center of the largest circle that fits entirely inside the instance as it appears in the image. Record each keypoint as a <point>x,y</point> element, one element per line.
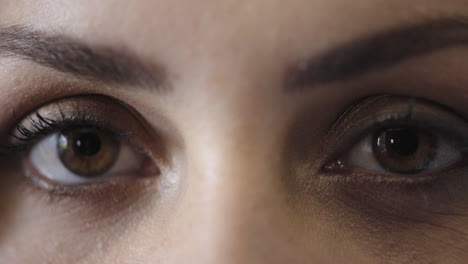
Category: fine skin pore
<point>238,103</point>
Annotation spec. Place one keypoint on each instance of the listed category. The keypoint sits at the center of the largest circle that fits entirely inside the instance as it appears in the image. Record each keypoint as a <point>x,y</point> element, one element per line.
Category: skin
<point>229,127</point>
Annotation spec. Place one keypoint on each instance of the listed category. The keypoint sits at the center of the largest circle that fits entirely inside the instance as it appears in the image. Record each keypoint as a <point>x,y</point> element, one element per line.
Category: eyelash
<point>42,126</point>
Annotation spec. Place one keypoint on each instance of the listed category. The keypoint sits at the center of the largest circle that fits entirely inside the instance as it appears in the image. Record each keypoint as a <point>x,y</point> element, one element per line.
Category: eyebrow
<point>345,62</point>
<point>378,52</point>
<point>64,54</point>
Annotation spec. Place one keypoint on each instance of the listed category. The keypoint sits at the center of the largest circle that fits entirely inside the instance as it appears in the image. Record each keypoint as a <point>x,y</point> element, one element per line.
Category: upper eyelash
<point>40,126</point>
<point>22,136</point>
<point>405,118</point>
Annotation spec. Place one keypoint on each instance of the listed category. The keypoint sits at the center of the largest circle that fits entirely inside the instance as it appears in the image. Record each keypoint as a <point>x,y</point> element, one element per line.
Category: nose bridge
<point>233,198</point>
<point>237,210</point>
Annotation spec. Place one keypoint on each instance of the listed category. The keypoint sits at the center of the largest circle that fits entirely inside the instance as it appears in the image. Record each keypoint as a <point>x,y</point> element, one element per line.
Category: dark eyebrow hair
<point>62,53</point>
<point>377,52</point>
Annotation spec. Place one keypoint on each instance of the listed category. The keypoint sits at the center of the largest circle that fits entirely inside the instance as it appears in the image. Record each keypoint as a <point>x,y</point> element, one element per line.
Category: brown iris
<point>404,150</point>
<point>87,152</point>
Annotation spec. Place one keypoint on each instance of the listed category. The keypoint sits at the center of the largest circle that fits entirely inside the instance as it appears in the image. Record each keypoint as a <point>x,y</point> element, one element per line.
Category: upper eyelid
<point>61,114</point>
<point>41,128</point>
<point>110,114</point>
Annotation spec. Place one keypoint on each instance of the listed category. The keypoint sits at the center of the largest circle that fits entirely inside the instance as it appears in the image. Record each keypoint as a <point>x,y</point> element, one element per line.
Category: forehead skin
<point>235,44</point>
<point>182,34</point>
<point>225,60</point>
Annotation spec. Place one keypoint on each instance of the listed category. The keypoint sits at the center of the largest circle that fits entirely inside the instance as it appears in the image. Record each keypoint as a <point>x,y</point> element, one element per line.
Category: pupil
<point>403,141</point>
<point>87,144</point>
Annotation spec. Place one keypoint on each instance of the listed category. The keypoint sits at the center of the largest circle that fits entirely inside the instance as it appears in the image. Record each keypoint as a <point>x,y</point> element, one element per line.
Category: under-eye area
<point>400,154</point>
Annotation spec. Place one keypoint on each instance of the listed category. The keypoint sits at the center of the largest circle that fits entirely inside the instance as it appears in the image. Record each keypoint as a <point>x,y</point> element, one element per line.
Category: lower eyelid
<point>442,192</point>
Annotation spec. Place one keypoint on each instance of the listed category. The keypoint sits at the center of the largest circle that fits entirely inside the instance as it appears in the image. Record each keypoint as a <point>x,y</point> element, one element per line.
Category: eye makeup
<point>442,188</point>
<point>387,112</point>
<point>100,119</point>
<point>378,209</point>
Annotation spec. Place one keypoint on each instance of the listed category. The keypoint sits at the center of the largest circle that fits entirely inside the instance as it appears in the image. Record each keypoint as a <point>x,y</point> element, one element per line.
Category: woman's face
<point>227,131</point>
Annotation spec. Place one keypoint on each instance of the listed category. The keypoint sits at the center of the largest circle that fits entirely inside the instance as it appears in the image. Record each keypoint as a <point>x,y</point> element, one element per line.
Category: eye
<point>80,156</point>
<point>84,140</point>
<point>404,150</point>
<point>399,139</point>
